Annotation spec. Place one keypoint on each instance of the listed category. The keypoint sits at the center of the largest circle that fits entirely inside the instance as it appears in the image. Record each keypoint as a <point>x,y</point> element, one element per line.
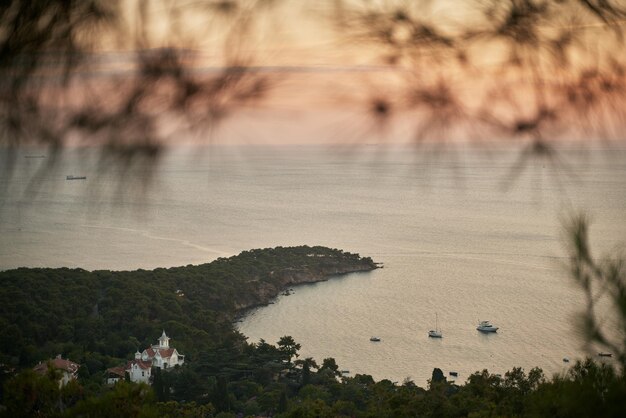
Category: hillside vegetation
<point>113,313</point>
<point>100,318</point>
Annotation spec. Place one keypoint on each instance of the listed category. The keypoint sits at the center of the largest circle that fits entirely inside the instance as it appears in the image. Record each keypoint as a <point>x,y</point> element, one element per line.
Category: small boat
<point>486,326</point>
<point>75,177</point>
<point>605,354</point>
<point>435,333</point>
<point>345,372</point>
<point>565,360</point>
<point>375,339</point>
<point>455,374</point>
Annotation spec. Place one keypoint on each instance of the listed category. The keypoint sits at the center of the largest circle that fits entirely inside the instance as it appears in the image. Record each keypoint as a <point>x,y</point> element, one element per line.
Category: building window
<point>143,374</point>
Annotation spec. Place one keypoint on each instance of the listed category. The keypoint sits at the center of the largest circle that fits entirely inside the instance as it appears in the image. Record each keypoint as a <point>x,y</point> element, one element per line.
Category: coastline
<point>267,292</point>
<point>197,302</point>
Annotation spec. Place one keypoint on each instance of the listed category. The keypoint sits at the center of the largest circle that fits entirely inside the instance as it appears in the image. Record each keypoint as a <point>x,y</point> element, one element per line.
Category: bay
<point>459,235</point>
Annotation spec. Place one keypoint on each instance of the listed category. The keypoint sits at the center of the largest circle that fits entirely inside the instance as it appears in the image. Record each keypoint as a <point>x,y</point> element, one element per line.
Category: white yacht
<point>486,326</point>
<point>435,333</point>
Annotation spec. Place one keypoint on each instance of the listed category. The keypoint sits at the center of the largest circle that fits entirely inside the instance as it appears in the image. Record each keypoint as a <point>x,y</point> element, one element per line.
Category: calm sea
<point>463,237</point>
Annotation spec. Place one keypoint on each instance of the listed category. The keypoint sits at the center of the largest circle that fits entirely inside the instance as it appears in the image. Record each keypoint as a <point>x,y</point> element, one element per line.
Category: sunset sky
<point>351,71</point>
<point>322,58</point>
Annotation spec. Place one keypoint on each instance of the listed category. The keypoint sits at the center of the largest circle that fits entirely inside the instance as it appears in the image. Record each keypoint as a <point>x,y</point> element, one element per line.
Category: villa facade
<point>162,355</point>
<point>159,355</point>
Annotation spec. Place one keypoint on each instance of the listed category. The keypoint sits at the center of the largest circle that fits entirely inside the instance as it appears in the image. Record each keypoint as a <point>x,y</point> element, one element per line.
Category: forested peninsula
<point>113,313</point>
<point>99,319</point>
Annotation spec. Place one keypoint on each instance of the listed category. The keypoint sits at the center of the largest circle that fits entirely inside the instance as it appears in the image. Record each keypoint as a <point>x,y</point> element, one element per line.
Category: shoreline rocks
<point>267,291</point>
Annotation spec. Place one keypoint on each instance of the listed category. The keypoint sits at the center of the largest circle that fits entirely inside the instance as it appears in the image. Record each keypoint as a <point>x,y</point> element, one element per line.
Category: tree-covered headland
<point>99,319</point>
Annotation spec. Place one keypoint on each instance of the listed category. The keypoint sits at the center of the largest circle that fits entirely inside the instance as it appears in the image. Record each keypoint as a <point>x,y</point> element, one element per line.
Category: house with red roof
<point>139,369</point>
<point>162,355</point>
<point>68,369</point>
<point>115,374</point>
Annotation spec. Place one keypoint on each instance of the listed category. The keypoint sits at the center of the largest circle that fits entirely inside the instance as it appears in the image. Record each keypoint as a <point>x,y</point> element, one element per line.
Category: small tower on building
<point>161,355</point>
<point>164,341</point>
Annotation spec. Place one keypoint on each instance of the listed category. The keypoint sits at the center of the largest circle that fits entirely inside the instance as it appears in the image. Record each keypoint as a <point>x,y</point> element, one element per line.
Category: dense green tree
<point>588,389</point>
<point>310,408</point>
<point>183,410</point>
<point>124,400</point>
<point>29,394</point>
<point>282,402</point>
<point>306,365</point>
<point>330,367</point>
<point>158,385</point>
<point>288,347</point>
<point>437,377</point>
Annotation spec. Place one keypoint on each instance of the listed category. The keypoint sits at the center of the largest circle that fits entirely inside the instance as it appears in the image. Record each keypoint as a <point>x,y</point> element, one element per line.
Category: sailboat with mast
<point>435,333</point>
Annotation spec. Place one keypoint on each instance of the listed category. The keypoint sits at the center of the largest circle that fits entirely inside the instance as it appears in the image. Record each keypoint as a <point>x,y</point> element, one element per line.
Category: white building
<point>162,355</point>
<point>139,370</point>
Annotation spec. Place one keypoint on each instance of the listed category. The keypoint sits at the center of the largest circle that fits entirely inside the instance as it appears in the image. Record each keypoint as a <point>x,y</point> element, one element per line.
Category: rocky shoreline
<point>266,291</point>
